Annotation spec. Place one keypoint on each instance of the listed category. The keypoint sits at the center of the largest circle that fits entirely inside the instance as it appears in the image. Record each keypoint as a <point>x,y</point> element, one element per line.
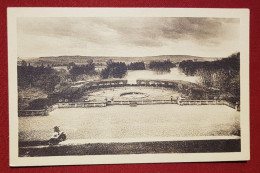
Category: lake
<point>174,74</point>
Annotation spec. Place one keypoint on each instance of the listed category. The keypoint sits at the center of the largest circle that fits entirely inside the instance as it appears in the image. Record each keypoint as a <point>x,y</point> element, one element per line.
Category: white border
<point>14,13</point>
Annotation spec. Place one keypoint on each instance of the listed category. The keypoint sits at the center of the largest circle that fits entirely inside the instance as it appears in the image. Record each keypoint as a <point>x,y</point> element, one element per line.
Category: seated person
<point>56,132</point>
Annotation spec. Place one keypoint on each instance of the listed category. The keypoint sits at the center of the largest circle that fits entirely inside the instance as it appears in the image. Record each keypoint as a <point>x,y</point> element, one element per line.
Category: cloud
<point>123,34</point>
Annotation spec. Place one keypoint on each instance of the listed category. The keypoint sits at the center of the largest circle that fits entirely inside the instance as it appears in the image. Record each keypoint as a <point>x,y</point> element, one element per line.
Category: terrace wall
<point>81,104</point>
<point>33,112</point>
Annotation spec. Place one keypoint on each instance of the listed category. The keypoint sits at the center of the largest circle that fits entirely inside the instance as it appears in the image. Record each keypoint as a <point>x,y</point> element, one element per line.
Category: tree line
<point>161,66</point>
<point>136,66</point>
<point>76,70</point>
<point>222,74</point>
<point>42,77</point>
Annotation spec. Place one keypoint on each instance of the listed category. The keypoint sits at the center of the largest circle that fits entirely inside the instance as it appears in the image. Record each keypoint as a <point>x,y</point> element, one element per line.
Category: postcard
<point>128,85</point>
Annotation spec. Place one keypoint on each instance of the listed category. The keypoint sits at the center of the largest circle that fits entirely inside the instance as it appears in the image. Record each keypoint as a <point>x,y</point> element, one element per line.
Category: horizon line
<point>22,57</point>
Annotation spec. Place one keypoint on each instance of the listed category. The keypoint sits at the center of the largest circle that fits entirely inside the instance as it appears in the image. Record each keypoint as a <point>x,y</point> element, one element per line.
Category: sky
<point>127,36</point>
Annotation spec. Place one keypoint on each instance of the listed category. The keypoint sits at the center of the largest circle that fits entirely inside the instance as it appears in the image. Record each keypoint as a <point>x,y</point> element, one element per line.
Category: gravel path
<point>143,121</point>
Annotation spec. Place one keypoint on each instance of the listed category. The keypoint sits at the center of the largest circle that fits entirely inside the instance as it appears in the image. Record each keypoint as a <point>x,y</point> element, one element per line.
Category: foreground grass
<point>197,146</point>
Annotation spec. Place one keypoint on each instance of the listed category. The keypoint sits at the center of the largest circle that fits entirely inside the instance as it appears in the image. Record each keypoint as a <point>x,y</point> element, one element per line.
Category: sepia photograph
<point>103,86</point>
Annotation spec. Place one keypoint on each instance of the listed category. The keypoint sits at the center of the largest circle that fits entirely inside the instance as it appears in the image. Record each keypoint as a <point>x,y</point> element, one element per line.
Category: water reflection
<point>174,74</point>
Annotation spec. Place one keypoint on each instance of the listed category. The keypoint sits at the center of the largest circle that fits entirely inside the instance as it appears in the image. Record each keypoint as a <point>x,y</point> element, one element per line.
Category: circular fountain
<point>134,95</point>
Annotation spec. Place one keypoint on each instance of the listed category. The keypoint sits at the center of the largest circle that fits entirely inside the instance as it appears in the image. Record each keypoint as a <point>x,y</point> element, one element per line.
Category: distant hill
<point>63,60</point>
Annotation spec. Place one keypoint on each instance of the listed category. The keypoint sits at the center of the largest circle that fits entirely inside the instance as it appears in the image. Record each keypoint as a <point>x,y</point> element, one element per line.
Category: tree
<point>90,61</point>
<point>24,64</point>
<point>222,74</point>
<point>136,66</point>
<point>71,65</point>
<point>114,70</point>
<point>41,77</point>
<point>88,69</point>
<point>163,66</point>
